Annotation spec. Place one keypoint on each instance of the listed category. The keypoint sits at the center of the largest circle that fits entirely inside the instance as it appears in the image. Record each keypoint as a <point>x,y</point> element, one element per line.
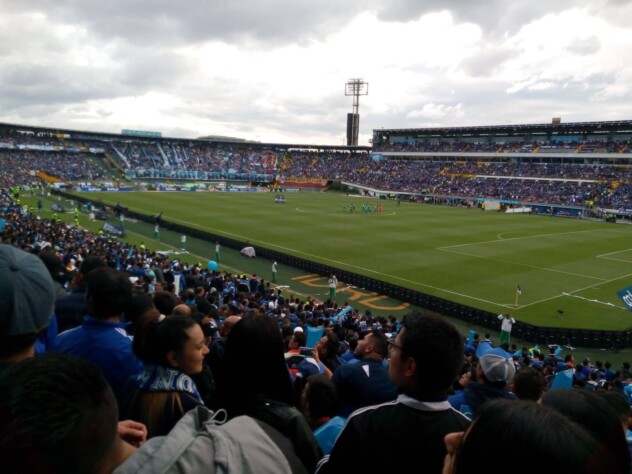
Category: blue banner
<point>115,230</point>
<point>626,296</point>
<point>2,224</point>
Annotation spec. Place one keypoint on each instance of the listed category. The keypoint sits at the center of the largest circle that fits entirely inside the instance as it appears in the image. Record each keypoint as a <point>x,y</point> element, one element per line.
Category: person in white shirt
<point>507,322</point>
<point>333,283</point>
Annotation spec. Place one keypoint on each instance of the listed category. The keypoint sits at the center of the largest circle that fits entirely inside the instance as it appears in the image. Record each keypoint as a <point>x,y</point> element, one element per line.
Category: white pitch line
<point>575,291</point>
<point>518,238</point>
<point>524,265</point>
<point>604,255</point>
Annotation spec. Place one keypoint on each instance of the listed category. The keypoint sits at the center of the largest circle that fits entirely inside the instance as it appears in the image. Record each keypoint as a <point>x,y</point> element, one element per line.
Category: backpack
<point>201,442</point>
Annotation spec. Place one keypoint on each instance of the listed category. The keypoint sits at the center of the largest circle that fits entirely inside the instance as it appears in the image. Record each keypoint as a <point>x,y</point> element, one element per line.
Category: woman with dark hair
<point>172,350</point>
<point>259,384</point>
<point>550,441</point>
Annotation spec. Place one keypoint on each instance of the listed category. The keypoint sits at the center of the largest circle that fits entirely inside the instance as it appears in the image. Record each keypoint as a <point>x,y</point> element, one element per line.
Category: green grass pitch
<point>465,255</point>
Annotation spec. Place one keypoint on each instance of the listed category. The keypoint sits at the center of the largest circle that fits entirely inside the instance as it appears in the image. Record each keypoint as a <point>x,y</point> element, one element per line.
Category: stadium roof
<point>619,126</point>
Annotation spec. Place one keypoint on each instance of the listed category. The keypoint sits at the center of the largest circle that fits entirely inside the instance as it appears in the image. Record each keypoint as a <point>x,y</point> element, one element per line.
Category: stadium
<point>467,222</point>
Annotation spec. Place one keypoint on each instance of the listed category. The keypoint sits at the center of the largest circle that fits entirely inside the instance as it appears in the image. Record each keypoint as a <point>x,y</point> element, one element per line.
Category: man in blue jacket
<point>366,382</point>
<point>102,339</point>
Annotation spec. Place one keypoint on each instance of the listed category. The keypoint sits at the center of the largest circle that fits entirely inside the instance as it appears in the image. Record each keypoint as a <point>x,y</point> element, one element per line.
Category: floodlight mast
<point>355,88</point>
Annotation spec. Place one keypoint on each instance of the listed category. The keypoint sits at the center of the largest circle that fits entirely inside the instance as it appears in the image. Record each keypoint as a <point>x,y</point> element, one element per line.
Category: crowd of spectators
<point>523,180</point>
<point>505,146</point>
<point>20,165</point>
<point>327,383</point>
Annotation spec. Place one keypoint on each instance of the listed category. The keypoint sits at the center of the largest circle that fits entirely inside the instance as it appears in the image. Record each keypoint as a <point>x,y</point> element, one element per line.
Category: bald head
<point>182,310</point>
<point>228,324</point>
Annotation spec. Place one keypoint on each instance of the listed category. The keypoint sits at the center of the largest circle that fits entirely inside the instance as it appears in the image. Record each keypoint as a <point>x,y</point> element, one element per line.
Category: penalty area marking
<point>606,256</point>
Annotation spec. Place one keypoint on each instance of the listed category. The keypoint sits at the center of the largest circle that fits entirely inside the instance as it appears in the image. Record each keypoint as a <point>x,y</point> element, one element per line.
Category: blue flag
<point>2,224</point>
<point>626,296</point>
<point>563,379</point>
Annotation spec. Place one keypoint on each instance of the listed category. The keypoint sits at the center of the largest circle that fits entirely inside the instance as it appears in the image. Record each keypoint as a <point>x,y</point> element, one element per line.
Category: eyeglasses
<point>392,345</point>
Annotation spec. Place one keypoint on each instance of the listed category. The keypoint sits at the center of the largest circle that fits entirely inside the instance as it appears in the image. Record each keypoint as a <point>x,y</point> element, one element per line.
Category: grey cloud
<point>487,63</point>
<point>161,22</point>
<point>43,83</point>
<point>142,69</point>
<point>495,17</point>
<point>256,24</point>
<point>586,46</point>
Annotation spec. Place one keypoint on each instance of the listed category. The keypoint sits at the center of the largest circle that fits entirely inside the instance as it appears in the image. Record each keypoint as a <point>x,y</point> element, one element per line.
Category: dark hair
<point>322,396</point>
<point>199,317</point>
<point>332,345</point>
<point>109,292</point>
<point>380,342</point>
<point>597,416</point>
<point>156,338</point>
<point>300,337</point>
<point>91,263</point>
<point>353,343</point>
<point>139,304</point>
<point>57,414</point>
<point>437,347</point>
<point>54,266</point>
<point>16,344</point>
<point>255,344</point>
<point>203,306</point>
<point>165,301</point>
<point>619,402</point>
<point>549,438</point>
<point>529,384</point>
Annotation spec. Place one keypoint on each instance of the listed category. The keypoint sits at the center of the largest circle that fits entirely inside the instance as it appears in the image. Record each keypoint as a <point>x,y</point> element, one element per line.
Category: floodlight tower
<point>356,88</point>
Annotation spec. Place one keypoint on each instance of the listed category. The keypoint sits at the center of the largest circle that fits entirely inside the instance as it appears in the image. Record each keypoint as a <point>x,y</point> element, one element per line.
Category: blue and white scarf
<point>156,378</point>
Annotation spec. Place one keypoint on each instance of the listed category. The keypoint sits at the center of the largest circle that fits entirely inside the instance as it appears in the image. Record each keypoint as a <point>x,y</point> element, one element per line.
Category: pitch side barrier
<point>543,336</point>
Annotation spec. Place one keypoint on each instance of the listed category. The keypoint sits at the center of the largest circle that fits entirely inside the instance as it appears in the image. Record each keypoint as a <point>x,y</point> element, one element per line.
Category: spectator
<point>326,352</point>
<point>70,309</point>
<point>366,382</point>
<point>550,440</point>
<point>27,296</point>
<point>293,356</point>
<point>172,350</point>
<point>102,339</point>
<point>165,301</point>
<point>259,384</point>
<point>319,403</point>
<point>619,402</point>
<point>425,358</point>
<point>215,360</point>
<point>598,417</point>
<point>494,370</point>
<point>60,416</point>
<point>528,384</point>
<point>56,270</point>
<point>140,307</point>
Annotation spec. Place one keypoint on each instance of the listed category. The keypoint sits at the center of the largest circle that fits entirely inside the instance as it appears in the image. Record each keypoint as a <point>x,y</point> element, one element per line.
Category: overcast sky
<point>275,70</point>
